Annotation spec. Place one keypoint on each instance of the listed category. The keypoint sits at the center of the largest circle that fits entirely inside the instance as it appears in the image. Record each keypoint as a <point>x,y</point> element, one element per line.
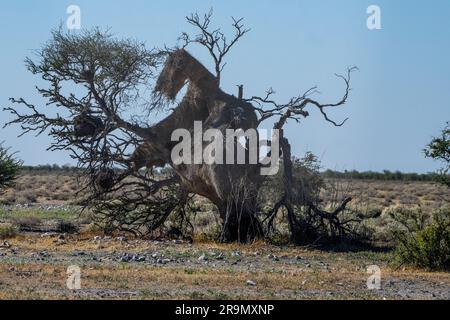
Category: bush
<point>422,242</point>
<point>9,168</point>
<point>439,149</point>
<point>26,223</point>
<point>7,230</point>
<point>67,226</point>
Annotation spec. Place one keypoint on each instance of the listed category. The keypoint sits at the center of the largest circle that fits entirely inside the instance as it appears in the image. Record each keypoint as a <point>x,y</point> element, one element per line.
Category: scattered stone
<point>203,257</point>
<point>97,238</point>
<point>273,257</point>
<point>138,258</point>
<point>125,258</point>
<point>121,239</point>
<point>251,283</point>
<point>163,261</point>
<point>220,256</point>
<point>49,235</point>
<point>235,254</point>
<point>44,254</point>
<point>5,244</point>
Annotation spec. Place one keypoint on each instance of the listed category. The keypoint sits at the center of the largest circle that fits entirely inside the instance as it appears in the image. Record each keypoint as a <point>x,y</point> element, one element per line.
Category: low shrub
<point>422,241</point>
<point>7,231</point>
<point>66,226</point>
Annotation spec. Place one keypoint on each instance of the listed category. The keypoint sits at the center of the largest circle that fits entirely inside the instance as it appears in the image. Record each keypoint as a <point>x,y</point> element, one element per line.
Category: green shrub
<point>422,242</point>
<point>7,230</point>
<point>9,168</point>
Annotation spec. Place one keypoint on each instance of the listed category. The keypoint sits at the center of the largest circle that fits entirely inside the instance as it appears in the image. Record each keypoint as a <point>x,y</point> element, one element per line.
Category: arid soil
<point>34,266</point>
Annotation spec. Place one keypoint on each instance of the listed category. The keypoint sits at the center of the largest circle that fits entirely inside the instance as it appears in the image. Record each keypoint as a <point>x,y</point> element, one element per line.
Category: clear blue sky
<point>400,97</point>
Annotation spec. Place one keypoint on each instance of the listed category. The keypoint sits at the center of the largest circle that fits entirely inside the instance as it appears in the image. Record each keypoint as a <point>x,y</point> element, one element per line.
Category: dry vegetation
<point>34,267</point>
<point>61,188</point>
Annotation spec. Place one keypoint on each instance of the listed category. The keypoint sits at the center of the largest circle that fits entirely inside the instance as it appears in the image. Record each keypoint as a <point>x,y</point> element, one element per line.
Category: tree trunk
<point>239,224</point>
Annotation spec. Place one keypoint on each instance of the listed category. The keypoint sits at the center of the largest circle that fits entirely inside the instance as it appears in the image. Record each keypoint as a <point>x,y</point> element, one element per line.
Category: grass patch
<point>39,214</point>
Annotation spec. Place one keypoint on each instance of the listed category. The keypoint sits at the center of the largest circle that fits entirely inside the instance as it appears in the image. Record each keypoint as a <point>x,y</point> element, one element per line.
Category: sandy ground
<point>35,267</point>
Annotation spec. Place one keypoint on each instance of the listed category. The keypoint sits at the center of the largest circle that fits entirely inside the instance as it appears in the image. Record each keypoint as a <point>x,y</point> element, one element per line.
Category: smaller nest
<point>104,179</point>
<point>87,126</point>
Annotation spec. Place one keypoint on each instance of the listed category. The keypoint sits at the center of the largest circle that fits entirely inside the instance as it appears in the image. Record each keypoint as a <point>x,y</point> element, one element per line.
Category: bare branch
<point>214,40</point>
<point>295,108</point>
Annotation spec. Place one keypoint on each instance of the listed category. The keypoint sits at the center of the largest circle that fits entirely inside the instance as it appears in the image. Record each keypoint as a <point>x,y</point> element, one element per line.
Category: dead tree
<point>114,149</point>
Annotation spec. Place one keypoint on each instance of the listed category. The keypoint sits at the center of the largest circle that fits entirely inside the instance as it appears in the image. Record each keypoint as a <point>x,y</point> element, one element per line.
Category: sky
<point>400,96</point>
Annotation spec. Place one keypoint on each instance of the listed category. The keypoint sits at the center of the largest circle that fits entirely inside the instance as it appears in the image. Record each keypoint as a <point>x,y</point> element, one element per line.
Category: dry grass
<point>317,275</point>
<point>51,188</point>
<point>32,267</point>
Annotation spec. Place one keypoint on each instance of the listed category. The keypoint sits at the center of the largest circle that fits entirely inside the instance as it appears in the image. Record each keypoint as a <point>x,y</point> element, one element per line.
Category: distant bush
<point>386,175</point>
<point>422,241</point>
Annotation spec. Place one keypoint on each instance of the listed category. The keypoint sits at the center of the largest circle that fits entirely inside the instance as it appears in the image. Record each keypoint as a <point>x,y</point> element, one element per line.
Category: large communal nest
<point>86,125</point>
<point>105,179</point>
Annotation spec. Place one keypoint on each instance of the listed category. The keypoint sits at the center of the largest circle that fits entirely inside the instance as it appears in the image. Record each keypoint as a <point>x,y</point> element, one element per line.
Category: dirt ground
<point>35,266</point>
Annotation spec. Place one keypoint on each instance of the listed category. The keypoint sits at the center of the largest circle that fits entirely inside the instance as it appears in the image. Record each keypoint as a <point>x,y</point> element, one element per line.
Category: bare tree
<point>119,154</point>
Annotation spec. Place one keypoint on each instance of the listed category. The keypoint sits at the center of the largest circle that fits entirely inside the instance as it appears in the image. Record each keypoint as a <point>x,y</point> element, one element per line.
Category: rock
<point>138,258</point>
<point>97,238</point>
<point>62,236</point>
<point>163,261</point>
<point>203,257</point>
<point>125,258</point>
<point>220,256</point>
<point>235,254</point>
<point>60,242</point>
<point>49,235</point>
<point>298,258</point>
<point>273,257</point>
<point>5,244</point>
<point>251,283</point>
<point>121,239</point>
